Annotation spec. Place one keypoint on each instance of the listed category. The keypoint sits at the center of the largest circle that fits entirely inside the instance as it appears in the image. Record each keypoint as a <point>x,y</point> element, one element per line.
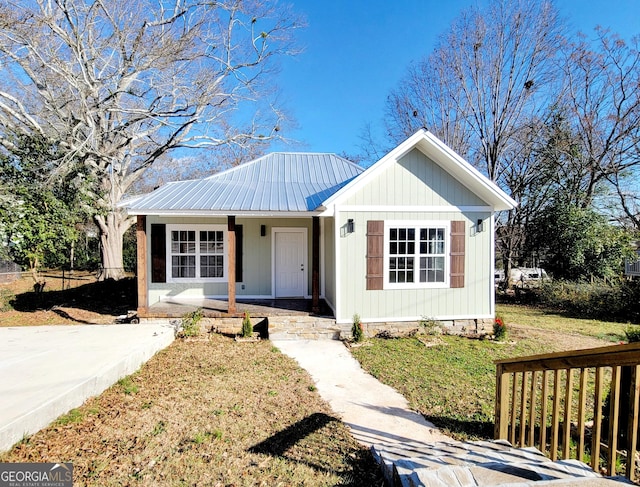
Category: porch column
<point>231,270</point>
<point>315,266</point>
<point>141,271</point>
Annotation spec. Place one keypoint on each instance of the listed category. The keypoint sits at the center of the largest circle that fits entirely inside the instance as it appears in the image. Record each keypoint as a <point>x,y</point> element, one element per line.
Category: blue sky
<point>356,51</point>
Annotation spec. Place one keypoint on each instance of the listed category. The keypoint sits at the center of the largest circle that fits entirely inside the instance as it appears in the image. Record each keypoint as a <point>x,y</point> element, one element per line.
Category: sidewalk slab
<point>375,412</point>
<point>45,371</point>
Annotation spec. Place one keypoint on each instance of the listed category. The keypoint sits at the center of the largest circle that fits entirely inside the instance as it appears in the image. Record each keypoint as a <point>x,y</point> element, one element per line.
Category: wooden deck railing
<point>556,402</point>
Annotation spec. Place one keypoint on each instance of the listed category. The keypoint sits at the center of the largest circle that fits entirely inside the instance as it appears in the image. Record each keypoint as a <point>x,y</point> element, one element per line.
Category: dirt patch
<point>556,341</point>
<point>215,413</point>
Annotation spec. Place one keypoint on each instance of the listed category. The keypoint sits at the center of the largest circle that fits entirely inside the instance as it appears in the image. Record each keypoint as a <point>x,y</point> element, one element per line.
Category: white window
<point>197,252</point>
<point>416,254</point>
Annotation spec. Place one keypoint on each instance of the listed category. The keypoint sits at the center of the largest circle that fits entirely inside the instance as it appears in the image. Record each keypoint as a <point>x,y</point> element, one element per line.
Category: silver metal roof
<point>277,182</point>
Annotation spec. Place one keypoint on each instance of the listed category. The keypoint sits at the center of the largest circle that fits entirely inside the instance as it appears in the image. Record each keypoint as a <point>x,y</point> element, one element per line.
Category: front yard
<point>209,413</point>
<point>220,413</point>
<point>453,382</point>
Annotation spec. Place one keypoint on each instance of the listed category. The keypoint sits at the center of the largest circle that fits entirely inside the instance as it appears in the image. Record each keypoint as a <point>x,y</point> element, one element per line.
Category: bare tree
<point>490,73</point>
<point>484,91</point>
<point>601,99</point>
<point>120,84</point>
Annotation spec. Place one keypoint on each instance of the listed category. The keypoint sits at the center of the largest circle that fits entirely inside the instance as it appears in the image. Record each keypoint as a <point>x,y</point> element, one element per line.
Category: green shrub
<point>357,331</point>
<point>596,300</point>
<point>499,329</point>
<point>247,327</point>
<point>430,326</point>
<point>633,334</point>
<point>191,323</point>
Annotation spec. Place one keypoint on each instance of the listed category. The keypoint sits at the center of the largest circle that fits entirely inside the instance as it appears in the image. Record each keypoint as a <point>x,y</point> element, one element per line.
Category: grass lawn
<point>453,383</point>
<point>210,413</point>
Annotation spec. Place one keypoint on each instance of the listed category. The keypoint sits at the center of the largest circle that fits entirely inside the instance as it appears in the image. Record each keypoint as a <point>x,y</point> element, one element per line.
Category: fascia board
<point>217,213</point>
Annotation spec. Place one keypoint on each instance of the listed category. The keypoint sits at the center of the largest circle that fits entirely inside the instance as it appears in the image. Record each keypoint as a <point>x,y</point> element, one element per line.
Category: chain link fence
<point>9,271</point>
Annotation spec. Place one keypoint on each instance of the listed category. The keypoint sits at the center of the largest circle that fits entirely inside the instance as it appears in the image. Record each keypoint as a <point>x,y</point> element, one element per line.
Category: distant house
<point>408,238</point>
<point>632,266</point>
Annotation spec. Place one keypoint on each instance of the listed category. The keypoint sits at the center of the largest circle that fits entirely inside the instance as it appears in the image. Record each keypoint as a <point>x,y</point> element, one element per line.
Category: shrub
<point>633,334</point>
<point>191,323</point>
<point>247,327</point>
<point>596,300</point>
<point>499,329</point>
<point>356,330</point>
<point>430,326</point>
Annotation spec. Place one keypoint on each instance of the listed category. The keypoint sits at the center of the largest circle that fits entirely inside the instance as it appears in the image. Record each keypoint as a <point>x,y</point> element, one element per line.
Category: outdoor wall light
<point>263,230</point>
<point>479,225</point>
<point>350,225</point>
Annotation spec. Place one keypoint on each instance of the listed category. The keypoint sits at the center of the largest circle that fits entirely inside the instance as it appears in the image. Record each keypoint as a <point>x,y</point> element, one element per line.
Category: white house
<point>410,237</point>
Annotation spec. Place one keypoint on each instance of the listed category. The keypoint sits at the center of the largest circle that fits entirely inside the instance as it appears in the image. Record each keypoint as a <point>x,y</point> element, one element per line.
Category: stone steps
<point>480,463</point>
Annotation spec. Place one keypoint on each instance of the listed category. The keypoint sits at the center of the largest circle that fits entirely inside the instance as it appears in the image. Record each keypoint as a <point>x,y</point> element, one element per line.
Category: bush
<point>356,330</point>
<point>499,329</point>
<point>191,323</point>
<point>247,327</point>
<point>632,334</point>
<point>597,300</point>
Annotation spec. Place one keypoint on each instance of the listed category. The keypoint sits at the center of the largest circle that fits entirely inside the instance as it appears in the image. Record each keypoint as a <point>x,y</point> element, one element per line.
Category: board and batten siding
<point>473,300</point>
<point>256,259</point>
<point>414,181</point>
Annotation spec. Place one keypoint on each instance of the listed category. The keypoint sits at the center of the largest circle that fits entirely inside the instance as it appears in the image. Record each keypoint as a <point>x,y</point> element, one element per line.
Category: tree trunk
<point>112,229</point>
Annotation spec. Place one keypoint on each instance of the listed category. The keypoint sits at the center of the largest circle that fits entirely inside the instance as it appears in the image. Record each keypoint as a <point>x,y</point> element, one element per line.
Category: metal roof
<point>277,182</point>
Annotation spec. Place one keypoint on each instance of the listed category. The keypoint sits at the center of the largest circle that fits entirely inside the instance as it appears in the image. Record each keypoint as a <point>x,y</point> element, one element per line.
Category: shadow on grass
<point>310,441</point>
<point>106,297</point>
<point>463,429</point>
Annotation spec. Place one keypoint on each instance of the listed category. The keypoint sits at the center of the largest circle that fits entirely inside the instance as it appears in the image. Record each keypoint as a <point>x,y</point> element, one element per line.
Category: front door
<point>290,262</point>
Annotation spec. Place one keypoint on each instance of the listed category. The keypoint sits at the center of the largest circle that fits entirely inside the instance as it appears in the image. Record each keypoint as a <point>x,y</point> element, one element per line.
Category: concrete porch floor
<point>218,308</point>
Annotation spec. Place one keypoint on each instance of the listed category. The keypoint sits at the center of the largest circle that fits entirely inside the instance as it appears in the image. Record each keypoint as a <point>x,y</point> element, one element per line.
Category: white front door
<point>290,262</point>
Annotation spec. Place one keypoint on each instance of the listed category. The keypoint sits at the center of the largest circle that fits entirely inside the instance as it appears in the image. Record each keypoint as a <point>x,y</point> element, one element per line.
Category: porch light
<point>350,225</point>
<point>263,230</point>
<point>479,225</point>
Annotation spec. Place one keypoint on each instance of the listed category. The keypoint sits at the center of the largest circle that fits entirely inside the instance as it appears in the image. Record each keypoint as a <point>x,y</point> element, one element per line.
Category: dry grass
<point>213,413</point>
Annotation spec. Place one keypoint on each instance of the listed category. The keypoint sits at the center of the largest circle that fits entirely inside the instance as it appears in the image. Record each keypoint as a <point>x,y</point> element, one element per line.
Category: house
<point>410,237</point>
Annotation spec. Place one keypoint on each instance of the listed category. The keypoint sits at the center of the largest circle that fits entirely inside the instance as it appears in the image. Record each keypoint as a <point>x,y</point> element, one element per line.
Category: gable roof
<point>446,158</point>
<point>277,182</point>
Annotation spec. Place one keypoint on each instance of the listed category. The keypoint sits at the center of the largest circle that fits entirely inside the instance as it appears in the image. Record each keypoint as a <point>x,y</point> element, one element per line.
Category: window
<point>197,253</point>
<point>415,254</point>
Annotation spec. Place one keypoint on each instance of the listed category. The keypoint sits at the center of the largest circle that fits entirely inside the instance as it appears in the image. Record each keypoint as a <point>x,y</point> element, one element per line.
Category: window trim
<point>417,225</point>
<point>197,228</point>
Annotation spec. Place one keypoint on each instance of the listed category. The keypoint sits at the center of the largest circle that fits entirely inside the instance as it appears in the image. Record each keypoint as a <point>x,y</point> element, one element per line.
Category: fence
<point>539,403</point>
<point>9,271</point>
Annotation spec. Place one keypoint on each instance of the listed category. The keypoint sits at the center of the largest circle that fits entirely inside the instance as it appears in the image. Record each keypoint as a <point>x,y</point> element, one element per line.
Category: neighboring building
<point>632,267</point>
<point>410,237</point>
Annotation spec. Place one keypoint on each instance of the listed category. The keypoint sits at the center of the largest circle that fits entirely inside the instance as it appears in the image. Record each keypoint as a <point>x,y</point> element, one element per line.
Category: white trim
<point>401,319</point>
<point>417,224</point>
<point>417,209</point>
<point>196,227</point>
<point>338,262</point>
<point>492,265</point>
<point>305,232</point>
<point>239,214</point>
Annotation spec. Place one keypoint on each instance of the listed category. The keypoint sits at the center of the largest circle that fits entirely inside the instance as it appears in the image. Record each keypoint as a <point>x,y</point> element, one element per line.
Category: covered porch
<point>219,308</point>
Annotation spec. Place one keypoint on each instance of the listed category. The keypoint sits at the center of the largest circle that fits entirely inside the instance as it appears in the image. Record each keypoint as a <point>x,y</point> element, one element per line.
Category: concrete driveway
<point>47,370</point>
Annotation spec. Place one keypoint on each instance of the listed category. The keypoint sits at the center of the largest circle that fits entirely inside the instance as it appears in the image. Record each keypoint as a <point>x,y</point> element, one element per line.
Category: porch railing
<point>578,404</point>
